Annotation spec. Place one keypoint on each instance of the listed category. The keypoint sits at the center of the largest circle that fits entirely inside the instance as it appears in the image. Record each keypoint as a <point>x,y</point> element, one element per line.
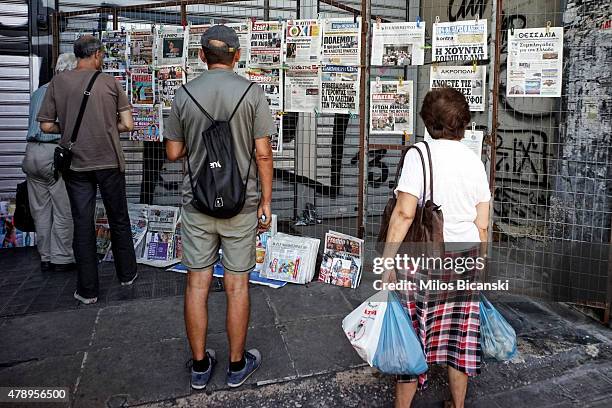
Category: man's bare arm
<point>265,168</point>
<point>126,122</point>
<point>175,150</point>
<point>50,127</point>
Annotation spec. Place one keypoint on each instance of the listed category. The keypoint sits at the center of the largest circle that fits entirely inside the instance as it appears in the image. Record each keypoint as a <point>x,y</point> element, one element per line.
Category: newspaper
<point>302,88</point>
<point>341,41</point>
<point>472,139</point>
<point>103,233</point>
<point>140,50</point>
<point>469,81</point>
<point>11,236</point>
<point>302,42</point>
<point>290,258</point>
<point>170,47</point>
<point>270,80</point>
<point>535,62</point>
<point>143,88</point>
<point>169,79</point>
<point>162,218</point>
<point>195,65</point>
<point>261,242</point>
<point>159,245</point>
<point>339,89</point>
<point>243,32</point>
<point>147,124</point>
<point>391,107</point>
<point>265,44</point>
<point>460,41</point>
<point>342,261</point>
<point>398,44</point>
<point>115,57</point>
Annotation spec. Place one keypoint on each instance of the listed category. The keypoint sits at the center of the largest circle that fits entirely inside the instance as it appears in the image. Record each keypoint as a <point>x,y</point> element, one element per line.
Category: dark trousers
<point>81,187</point>
<point>154,154</point>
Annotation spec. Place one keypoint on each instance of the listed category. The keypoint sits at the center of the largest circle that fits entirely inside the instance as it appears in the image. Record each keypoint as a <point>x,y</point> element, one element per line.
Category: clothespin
<point>280,20</point>
<point>212,21</point>
<point>437,19</point>
<point>473,127</point>
<point>317,113</point>
<point>378,21</point>
<point>377,80</point>
<point>476,21</point>
<point>406,136</point>
<point>401,80</point>
<point>352,115</point>
<point>253,19</point>
<point>425,47</point>
<point>512,28</point>
<point>355,18</point>
<point>280,113</point>
<point>548,24</point>
<point>418,21</point>
<point>474,65</point>
<point>434,66</point>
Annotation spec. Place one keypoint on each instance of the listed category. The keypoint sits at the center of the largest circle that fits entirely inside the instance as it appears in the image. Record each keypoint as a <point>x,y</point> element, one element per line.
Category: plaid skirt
<point>447,324</point>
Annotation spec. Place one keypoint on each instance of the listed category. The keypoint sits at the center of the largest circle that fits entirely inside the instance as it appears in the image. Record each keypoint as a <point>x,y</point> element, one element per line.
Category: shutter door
<point>14,92</point>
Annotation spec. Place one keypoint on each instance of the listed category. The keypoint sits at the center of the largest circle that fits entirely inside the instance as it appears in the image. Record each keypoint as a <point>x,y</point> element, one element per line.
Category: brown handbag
<point>428,223</point>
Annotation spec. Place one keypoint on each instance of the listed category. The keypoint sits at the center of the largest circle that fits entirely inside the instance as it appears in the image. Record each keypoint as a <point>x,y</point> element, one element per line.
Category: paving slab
<point>46,334</point>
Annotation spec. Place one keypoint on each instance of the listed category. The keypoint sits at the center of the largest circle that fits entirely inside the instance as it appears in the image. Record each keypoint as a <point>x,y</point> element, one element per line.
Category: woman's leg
<point>457,382</point>
<point>404,393</point>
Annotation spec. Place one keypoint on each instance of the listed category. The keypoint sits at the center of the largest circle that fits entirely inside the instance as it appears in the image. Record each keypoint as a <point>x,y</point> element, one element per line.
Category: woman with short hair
<point>447,324</point>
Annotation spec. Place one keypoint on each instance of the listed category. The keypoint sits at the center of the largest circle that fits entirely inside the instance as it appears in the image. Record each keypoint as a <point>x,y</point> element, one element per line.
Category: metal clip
<point>548,24</point>
<point>473,127</point>
<point>86,93</point>
<point>437,19</point>
<point>512,28</point>
<point>418,21</point>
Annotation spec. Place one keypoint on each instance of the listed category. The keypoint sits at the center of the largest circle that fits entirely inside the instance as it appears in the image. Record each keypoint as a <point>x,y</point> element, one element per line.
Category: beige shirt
<point>97,146</point>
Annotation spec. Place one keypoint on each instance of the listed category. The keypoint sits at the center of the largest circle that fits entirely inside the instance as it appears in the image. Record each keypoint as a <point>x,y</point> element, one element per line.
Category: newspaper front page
<point>302,42</point>
<point>398,44</point>
<point>391,110</point>
<point>460,41</point>
<point>341,41</point>
<point>342,260</point>
<point>302,88</point>
<point>265,44</point>
<point>535,62</point>
<point>147,125</point>
<point>471,83</point>
<point>170,46</point>
<point>339,89</point>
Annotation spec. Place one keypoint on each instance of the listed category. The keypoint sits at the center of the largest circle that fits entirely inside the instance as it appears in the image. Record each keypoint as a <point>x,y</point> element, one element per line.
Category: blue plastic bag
<point>498,338</point>
<point>398,351</point>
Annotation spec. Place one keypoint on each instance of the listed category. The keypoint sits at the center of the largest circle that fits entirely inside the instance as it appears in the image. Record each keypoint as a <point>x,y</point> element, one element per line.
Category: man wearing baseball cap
<point>219,91</point>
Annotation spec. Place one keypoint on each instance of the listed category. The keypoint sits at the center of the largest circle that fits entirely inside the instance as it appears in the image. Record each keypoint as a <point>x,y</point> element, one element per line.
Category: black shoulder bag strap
<point>79,119</point>
<point>213,120</point>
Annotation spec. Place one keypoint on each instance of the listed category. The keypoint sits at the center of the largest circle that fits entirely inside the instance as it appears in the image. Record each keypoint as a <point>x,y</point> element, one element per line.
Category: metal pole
<point>363,148</point>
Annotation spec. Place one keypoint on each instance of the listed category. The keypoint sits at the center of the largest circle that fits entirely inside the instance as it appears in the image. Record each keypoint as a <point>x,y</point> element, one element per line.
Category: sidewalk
<point>131,349</point>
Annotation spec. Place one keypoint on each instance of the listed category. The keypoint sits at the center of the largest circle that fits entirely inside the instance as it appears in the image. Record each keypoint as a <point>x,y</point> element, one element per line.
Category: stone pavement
<point>130,349</point>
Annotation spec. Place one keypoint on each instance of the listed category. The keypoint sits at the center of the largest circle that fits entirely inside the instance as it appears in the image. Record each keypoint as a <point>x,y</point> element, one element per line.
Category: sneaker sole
<point>198,387</point>
<point>245,378</point>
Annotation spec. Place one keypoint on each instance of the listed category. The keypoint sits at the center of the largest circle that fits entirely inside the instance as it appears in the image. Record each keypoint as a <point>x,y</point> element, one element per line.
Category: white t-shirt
<point>459,183</point>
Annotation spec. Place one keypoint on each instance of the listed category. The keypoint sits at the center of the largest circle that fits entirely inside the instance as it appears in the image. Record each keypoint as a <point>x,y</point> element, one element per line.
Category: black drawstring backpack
<point>218,190</point>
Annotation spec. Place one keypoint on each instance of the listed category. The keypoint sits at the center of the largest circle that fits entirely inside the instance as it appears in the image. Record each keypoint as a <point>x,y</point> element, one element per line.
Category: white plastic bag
<point>363,325</point>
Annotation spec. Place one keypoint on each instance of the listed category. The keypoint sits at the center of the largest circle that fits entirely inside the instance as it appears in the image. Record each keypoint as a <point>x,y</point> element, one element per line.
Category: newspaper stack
<point>342,260</point>
<point>290,258</point>
<point>261,242</point>
<point>159,243</point>
<point>10,236</point>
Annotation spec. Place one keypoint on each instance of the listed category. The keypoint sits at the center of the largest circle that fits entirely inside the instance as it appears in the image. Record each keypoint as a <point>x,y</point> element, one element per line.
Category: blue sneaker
<point>253,361</point>
<point>199,380</point>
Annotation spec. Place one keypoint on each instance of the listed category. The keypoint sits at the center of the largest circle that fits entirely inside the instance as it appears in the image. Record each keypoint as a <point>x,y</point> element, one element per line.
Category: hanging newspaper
<point>115,46</point>
<point>341,41</point>
<point>115,57</point>
<point>467,80</point>
<point>265,43</point>
<point>169,46</point>
<point>195,66</point>
<point>142,86</point>
<point>138,221</point>
<point>342,261</point>
<point>398,44</point>
<point>302,42</point>
<point>302,88</point>
<point>391,109</point>
<point>459,41</point>
<point>169,79</point>
<point>472,139</point>
<point>147,126</point>
<point>290,258</point>
<point>270,80</point>
<point>339,89</point>
<point>140,51</point>
<point>535,62</point>
<point>243,32</point>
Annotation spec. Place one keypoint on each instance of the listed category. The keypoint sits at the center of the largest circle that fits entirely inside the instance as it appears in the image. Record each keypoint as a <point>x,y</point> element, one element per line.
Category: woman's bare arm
<point>399,224</point>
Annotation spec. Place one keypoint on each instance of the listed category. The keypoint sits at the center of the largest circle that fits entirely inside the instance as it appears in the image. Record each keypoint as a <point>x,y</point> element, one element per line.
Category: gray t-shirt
<point>218,91</point>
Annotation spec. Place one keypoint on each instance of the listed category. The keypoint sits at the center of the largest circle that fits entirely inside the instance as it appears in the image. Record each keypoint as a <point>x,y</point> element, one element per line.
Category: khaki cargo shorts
<point>203,235</point>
